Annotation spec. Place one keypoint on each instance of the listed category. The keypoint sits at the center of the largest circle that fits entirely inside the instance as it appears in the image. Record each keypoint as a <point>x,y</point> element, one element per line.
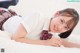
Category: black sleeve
<point>7,3</point>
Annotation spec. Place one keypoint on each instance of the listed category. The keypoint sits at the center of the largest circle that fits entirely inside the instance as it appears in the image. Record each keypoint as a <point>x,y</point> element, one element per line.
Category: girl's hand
<point>54,42</point>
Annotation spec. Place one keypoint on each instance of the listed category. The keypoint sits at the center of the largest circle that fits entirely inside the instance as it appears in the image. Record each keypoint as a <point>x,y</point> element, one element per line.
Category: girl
<point>41,31</point>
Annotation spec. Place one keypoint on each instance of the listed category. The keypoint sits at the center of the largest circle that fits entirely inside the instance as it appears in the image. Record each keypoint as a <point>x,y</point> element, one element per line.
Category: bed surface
<point>10,46</point>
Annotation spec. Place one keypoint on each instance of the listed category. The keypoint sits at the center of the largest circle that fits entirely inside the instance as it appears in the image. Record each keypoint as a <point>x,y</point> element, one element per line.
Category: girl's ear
<point>57,13</point>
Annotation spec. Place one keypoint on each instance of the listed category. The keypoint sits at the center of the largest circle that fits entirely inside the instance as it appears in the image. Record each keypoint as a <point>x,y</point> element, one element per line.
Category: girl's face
<point>60,24</point>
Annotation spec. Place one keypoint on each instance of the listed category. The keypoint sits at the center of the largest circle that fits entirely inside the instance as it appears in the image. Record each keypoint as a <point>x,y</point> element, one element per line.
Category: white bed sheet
<point>10,46</point>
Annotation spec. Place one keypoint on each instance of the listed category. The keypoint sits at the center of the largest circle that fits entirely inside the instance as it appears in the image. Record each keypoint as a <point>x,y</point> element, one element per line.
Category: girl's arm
<point>70,44</point>
<point>20,34</point>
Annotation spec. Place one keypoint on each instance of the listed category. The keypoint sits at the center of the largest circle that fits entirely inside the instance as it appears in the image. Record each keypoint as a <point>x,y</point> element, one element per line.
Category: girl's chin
<point>54,31</point>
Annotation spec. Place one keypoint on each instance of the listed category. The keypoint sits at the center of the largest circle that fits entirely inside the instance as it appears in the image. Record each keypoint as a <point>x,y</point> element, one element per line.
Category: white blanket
<point>10,46</point>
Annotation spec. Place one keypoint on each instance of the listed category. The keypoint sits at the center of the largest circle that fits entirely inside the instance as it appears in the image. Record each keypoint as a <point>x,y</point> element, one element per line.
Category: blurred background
<point>46,7</point>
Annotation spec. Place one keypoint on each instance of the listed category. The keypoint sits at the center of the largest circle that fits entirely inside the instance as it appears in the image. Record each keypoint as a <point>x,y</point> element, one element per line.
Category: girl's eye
<point>66,27</point>
<point>62,21</point>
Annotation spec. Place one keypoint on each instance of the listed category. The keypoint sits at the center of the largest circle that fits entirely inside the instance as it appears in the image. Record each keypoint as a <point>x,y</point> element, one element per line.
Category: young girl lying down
<point>39,30</point>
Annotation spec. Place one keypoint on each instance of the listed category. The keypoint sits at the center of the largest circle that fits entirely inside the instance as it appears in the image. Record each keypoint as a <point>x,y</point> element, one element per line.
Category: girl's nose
<point>60,27</point>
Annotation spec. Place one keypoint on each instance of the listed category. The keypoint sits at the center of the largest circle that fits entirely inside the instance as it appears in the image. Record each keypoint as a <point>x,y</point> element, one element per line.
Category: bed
<point>10,46</point>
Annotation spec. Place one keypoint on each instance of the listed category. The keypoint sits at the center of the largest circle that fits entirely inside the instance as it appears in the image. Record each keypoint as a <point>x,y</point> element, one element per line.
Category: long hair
<point>73,13</point>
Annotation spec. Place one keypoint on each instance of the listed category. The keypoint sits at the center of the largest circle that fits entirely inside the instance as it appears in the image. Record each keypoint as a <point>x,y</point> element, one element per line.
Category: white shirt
<point>33,23</point>
<point>12,24</point>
